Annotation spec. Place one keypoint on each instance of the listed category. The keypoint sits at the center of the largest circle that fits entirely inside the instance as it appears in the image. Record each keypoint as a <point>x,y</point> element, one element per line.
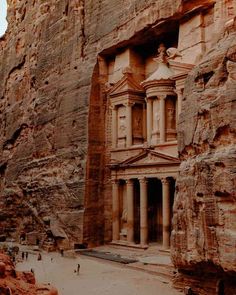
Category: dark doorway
<point>172,195</point>
<point>158,196</point>
<point>154,210</point>
<point>136,211</point>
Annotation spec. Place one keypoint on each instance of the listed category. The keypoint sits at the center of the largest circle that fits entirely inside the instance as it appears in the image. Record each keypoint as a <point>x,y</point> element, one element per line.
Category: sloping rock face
<point>52,116</point>
<point>19,283</point>
<point>204,224</point>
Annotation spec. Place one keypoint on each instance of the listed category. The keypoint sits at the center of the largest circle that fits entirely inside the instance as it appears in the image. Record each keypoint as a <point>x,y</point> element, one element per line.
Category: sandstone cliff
<point>53,155</point>
<point>204,232</point>
<point>52,110</point>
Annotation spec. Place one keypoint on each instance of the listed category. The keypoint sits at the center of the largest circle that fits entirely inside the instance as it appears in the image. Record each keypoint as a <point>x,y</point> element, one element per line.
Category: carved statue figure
<point>137,124</point>
<point>157,119</point>
<point>124,215</point>
<point>170,118</point>
<point>122,128</point>
<point>173,52</point>
<point>163,54</point>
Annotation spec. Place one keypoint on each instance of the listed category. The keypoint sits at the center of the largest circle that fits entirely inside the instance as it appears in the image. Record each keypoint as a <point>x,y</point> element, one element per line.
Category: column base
<point>164,250</point>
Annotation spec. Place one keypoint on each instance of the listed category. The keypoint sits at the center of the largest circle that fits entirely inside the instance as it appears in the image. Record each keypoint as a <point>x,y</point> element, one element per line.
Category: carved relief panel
<point>170,118</point>
<point>121,126</point>
<point>137,124</point>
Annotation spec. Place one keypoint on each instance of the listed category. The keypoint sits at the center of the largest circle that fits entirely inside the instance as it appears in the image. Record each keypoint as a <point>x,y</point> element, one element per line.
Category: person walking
<point>23,255</point>
<point>26,255</point>
<point>78,268</point>
<point>39,257</point>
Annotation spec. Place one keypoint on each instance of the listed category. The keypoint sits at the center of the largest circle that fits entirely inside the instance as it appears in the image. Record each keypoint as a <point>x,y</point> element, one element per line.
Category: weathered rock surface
<point>53,173</point>
<point>19,283</point>
<point>52,117</point>
<point>204,232</point>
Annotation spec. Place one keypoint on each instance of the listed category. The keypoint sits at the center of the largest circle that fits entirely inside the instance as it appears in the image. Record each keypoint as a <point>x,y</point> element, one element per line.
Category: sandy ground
<point>96,277</point>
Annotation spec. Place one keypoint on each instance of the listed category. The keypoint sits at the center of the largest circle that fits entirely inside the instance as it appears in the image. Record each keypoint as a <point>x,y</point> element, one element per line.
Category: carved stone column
<point>130,210</point>
<point>129,136</point>
<point>114,127</point>
<point>166,212</point>
<point>162,119</point>
<point>149,120</point>
<point>156,122</point>
<point>115,211</point>
<point>179,102</point>
<point>144,123</point>
<point>143,212</point>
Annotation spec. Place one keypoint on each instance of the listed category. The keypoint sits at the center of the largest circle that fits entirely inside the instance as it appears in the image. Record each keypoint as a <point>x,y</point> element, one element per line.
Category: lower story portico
<point>143,190</point>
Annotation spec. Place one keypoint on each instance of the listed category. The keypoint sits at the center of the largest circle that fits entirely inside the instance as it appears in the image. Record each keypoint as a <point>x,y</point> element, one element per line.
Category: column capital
<point>129,104</point>
<point>129,182</point>
<point>179,91</point>
<point>115,181</point>
<point>113,107</point>
<point>150,98</point>
<point>162,96</point>
<point>165,180</point>
<point>143,180</point>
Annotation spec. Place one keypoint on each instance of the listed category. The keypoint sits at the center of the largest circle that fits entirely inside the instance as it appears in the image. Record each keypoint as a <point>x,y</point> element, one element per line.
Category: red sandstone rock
<point>20,283</point>
<point>52,159</point>
<point>204,232</point>
<point>53,154</point>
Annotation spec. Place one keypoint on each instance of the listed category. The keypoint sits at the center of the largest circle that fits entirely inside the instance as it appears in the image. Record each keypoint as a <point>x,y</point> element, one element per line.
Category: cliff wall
<point>52,110</point>
<point>204,232</point>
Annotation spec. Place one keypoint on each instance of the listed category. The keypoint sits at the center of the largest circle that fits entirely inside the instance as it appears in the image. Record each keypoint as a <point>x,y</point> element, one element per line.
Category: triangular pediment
<point>149,157</point>
<point>125,85</point>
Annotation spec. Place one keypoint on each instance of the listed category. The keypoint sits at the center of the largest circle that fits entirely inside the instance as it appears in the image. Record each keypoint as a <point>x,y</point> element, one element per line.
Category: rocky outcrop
<point>19,283</point>
<point>204,232</point>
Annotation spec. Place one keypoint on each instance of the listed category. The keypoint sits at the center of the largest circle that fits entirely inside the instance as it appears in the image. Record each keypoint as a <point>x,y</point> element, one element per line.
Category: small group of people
<point>24,255</point>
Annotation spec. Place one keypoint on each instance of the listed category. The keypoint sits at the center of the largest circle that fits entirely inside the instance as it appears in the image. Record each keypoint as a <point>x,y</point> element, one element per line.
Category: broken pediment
<point>180,68</point>
<point>149,157</point>
<point>127,85</point>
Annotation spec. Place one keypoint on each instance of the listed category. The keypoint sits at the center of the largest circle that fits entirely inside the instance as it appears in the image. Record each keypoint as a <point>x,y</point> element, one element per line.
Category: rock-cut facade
<point>117,124</point>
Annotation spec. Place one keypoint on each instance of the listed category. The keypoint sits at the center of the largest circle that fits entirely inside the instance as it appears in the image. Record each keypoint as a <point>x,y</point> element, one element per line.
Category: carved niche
<point>171,118</point>
<point>137,124</point>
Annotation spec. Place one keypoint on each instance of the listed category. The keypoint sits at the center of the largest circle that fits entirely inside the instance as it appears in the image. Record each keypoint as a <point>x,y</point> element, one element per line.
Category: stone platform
<point>152,260</point>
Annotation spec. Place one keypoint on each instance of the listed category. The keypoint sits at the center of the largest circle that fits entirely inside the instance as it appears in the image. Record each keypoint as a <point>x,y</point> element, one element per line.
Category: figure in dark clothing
<point>62,252</point>
<point>23,255</point>
<point>26,255</point>
<point>78,268</point>
<point>39,257</point>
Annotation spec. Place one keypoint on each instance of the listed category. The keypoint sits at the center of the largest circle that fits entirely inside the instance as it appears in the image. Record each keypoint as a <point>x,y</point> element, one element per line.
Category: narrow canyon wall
<point>53,157</point>
<point>204,223</point>
<point>44,110</point>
